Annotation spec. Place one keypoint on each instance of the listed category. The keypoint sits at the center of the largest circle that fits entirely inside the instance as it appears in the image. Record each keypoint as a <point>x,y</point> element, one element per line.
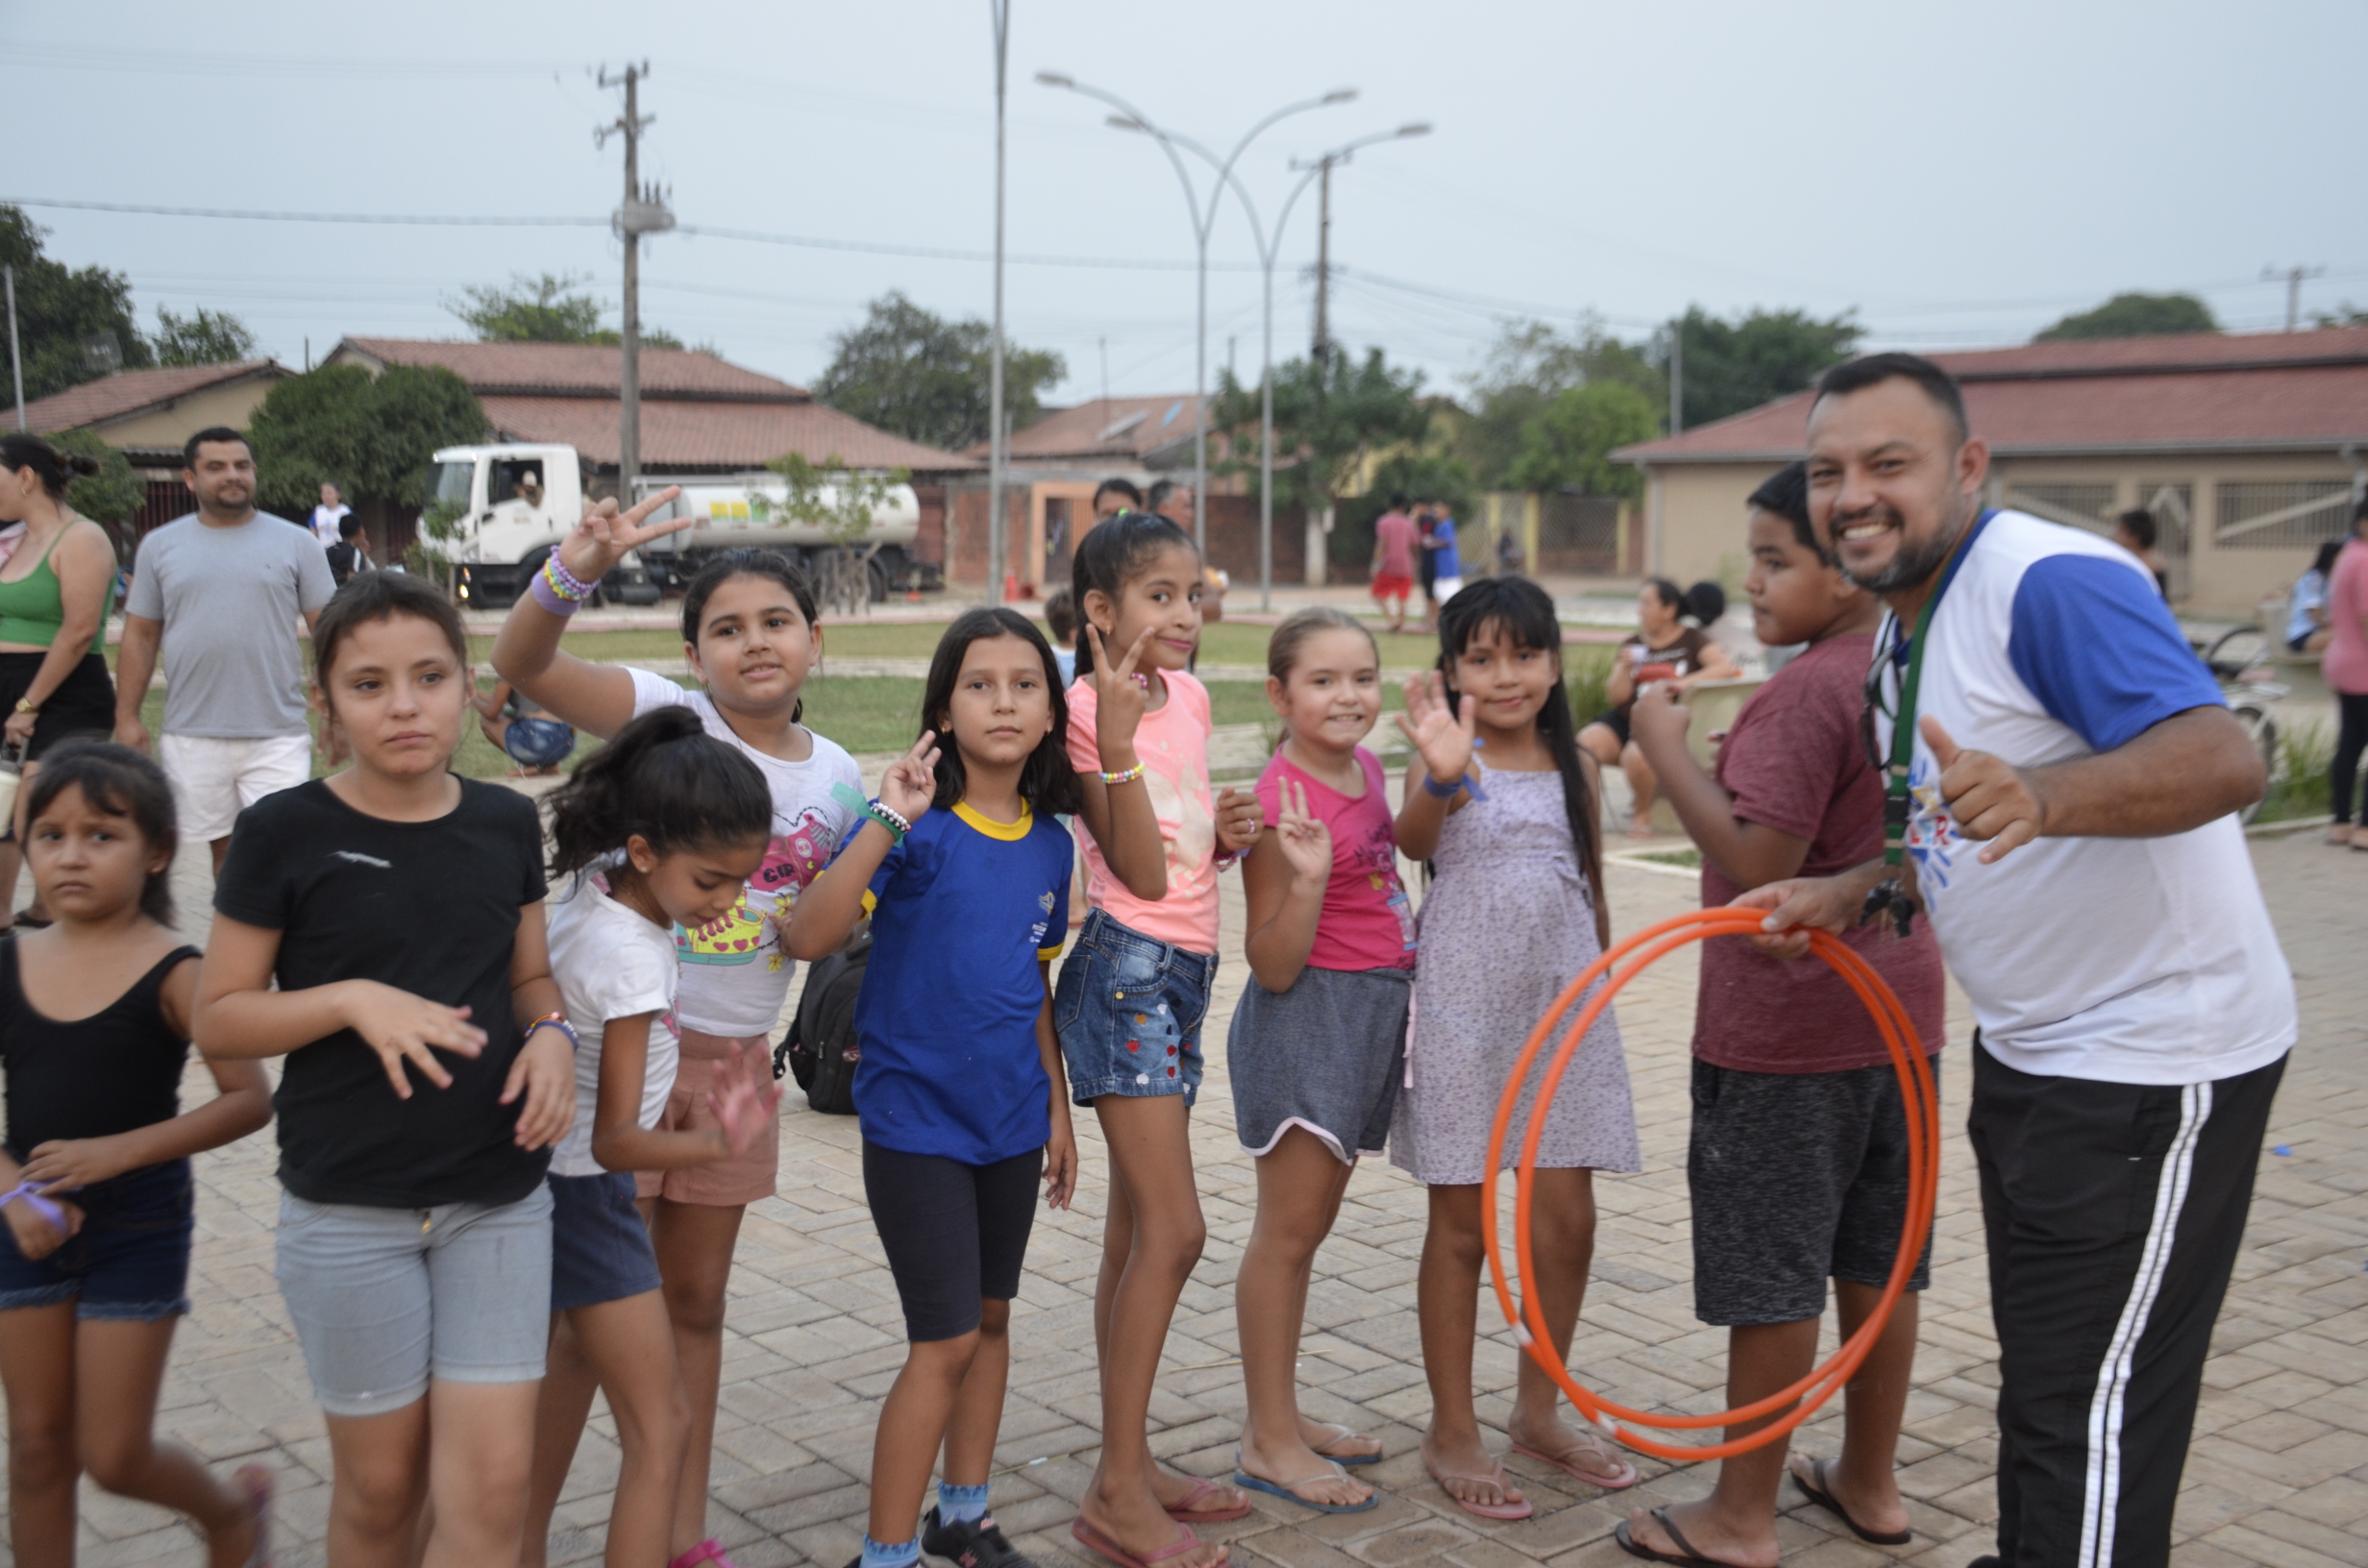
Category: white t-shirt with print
<point>2119,960</point>
<point>610,963</point>
<point>735,975</point>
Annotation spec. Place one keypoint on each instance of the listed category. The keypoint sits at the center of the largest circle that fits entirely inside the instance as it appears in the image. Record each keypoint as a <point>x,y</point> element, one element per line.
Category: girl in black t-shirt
<point>95,1257</point>
<point>399,911</point>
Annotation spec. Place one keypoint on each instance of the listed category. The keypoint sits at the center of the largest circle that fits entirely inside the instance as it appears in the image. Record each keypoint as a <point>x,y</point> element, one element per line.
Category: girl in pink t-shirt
<point>1134,993</point>
<point>1319,1039</point>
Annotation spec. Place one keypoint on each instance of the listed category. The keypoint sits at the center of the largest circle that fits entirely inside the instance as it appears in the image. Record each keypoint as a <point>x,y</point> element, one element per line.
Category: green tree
<point>829,494</point>
<point>1527,367</point>
<point>73,326</point>
<point>111,496</point>
<point>544,310</point>
<point>1758,357</point>
<point>917,375</point>
<point>2346,315</point>
<point>371,436</point>
<point>2135,315</point>
<point>202,337</point>
<point>1568,444</point>
<point>1328,418</point>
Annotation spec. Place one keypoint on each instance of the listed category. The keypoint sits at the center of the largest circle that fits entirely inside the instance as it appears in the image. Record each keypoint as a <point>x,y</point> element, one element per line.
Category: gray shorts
<point>1796,1178</point>
<point>385,1299</point>
<point>1327,1054</point>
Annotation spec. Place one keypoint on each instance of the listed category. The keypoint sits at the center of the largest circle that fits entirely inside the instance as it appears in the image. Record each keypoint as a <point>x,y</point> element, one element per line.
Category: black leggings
<point>2350,740</point>
<point>955,1234</point>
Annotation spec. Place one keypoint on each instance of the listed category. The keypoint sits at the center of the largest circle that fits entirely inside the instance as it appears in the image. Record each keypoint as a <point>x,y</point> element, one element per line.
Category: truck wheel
<point>876,579</point>
<point>527,568</point>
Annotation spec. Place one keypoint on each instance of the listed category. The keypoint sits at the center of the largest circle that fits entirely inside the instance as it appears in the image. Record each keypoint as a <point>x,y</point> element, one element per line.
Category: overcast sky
<point>1958,174</point>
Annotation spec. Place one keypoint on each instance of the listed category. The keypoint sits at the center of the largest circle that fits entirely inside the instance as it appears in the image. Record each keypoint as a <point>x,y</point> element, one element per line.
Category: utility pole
<point>1677,376</point>
<point>999,438</point>
<point>1324,266</point>
<point>2294,278</point>
<point>644,212</point>
<point>17,358</point>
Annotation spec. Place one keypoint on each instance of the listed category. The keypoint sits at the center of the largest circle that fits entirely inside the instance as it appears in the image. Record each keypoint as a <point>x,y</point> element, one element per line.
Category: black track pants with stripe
<point>2113,1213</point>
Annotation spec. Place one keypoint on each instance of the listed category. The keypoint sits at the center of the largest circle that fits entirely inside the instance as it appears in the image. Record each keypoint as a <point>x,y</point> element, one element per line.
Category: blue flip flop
<point>1281,1489</point>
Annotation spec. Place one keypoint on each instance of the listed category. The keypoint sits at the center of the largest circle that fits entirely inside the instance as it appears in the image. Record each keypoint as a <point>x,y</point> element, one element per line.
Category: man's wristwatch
<point>26,704</point>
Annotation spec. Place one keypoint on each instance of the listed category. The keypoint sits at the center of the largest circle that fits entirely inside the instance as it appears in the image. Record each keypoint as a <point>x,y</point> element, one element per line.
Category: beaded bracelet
<point>1126,775</point>
<point>565,581</point>
<point>553,1021</point>
<point>889,817</point>
<point>550,598</point>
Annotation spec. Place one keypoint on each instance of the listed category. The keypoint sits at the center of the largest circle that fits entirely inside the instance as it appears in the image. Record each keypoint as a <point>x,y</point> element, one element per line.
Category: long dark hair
<point>121,782</point>
<point>55,469</point>
<point>1112,554</point>
<point>1706,602</point>
<point>664,778</point>
<point>1048,783</point>
<point>1526,615</point>
<point>748,561</point>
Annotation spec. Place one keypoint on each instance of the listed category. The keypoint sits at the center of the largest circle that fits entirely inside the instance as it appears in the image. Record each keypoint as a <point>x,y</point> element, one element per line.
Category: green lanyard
<point>1897,801</point>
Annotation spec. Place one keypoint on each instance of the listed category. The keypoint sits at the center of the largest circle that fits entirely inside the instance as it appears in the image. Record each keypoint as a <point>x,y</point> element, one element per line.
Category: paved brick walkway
<point>2279,1473</point>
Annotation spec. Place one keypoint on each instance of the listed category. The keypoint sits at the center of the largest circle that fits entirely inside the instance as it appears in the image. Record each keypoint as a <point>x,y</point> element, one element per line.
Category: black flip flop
<point>1817,1494</point>
<point>1687,1556</point>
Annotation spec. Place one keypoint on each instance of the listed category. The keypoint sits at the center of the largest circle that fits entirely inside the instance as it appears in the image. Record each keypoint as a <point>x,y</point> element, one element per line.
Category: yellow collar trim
<point>1008,832</point>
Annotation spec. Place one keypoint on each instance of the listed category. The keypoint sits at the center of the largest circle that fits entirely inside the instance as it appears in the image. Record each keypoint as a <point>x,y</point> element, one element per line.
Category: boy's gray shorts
<point>1796,1178</point>
<point>385,1299</point>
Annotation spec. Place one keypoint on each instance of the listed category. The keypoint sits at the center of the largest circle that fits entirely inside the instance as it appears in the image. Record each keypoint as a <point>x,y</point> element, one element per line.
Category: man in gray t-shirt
<point>220,591</point>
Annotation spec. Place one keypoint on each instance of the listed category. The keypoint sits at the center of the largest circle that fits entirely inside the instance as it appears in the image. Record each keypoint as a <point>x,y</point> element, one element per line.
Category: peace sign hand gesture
<point>910,784</point>
<point>1121,697</point>
<point>1305,840</point>
<point>1443,736</point>
<point>604,534</point>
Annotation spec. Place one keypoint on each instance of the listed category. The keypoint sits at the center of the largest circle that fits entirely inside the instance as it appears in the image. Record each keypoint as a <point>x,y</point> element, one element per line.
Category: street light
<point>1270,249</point>
<point>1134,119</point>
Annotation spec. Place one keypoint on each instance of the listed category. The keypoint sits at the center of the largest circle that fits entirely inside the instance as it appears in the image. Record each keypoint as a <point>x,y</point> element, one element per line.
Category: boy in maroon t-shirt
<point>1798,1168</point>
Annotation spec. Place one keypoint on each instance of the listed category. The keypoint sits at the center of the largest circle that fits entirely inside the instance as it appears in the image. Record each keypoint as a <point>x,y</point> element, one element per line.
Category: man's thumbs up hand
<point>1989,798</point>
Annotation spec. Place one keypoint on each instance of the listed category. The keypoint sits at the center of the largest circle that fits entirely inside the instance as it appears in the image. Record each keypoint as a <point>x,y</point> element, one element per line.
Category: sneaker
<point>972,1543</point>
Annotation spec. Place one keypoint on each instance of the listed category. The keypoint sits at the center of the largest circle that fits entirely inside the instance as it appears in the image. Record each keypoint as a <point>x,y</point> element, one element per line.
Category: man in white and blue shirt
<point>2072,838</point>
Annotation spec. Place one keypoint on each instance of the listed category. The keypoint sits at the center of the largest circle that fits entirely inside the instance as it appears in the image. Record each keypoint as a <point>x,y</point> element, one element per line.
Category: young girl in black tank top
<point>95,1186</point>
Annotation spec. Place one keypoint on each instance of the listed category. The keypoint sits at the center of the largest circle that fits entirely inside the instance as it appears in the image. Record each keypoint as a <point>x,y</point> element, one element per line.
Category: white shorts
<point>1443,589</point>
<point>215,779</point>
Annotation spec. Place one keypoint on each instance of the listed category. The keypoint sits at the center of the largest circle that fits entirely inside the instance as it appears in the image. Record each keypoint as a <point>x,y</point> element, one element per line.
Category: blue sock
<point>958,1505</point>
<point>900,1555</point>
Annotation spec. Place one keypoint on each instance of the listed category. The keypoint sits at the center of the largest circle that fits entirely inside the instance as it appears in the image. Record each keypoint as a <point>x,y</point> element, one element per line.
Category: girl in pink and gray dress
<point>1514,914</point>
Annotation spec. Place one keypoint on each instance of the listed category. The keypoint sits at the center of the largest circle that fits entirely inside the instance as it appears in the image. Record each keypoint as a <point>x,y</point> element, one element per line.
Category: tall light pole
<point>1269,248</point>
<point>1000,15</point>
<point>1203,221</point>
<point>644,212</point>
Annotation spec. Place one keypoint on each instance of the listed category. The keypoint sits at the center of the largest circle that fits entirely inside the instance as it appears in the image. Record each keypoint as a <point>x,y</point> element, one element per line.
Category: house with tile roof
<point>149,415</point>
<point>2249,449</point>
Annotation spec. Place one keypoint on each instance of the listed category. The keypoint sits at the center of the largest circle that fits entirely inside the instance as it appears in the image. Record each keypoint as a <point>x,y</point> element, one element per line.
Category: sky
<point>1958,175</point>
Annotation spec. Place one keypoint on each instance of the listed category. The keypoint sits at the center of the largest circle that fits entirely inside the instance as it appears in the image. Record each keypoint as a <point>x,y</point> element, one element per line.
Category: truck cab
<point>513,503</point>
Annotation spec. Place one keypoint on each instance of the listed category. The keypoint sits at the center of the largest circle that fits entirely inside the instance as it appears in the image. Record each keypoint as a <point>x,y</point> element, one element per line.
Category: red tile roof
<point>691,435</point>
<point>133,391</point>
<point>561,369</point>
<point>2290,391</point>
<point>1106,429</point>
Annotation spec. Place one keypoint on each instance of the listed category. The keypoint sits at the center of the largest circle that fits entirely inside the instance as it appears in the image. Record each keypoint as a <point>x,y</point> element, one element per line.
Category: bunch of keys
<point>1888,894</point>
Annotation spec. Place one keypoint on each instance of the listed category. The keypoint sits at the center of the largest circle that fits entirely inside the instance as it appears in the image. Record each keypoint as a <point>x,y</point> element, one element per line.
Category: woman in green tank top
<point>54,588</point>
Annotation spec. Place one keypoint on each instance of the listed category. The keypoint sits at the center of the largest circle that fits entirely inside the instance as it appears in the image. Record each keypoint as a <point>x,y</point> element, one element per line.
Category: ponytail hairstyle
<point>746,562</point>
<point>1702,604</point>
<point>120,782</point>
<point>664,778</point>
<point>1113,554</point>
<point>1520,610</point>
<point>55,469</point>
<point>1048,782</point>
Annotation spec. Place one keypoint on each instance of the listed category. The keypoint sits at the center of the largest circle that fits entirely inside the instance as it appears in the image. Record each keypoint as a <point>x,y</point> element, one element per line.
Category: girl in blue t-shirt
<point>960,1090</point>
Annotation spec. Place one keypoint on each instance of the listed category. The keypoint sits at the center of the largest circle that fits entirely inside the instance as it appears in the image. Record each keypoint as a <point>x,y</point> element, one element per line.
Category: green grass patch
<point>1691,859</point>
<point>2303,780</point>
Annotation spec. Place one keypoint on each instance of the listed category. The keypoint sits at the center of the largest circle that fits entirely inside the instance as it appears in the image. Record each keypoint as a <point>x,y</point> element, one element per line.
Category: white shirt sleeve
<point>652,691</point>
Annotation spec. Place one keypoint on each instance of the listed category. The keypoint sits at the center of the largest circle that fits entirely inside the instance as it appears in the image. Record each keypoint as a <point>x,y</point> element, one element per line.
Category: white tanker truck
<point>512,502</point>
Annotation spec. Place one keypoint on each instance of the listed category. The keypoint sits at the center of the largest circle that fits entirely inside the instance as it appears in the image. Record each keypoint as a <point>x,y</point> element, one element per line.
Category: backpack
<point>820,1047</point>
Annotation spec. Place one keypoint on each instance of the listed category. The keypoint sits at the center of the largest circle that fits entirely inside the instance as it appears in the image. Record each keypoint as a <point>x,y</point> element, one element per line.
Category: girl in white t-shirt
<point>748,632</point>
<point>661,827</point>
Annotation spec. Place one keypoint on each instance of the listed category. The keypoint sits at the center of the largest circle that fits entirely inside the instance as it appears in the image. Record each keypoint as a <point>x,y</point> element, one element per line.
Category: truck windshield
<point>452,483</point>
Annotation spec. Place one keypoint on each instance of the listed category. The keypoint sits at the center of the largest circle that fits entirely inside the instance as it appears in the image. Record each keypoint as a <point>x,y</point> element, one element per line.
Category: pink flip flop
<point>709,1550</point>
<point>256,1482</point>
<point>1185,1512</point>
<point>1095,1540</point>
<point>1578,1474</point>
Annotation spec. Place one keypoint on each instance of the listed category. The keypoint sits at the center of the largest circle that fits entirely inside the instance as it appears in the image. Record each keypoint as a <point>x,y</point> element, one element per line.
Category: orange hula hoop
<point>1916,1088</point>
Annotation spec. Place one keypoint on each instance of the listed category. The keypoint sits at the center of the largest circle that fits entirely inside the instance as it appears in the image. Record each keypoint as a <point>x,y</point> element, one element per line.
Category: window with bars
<point>2280,514</point>
<point>2088,507</point>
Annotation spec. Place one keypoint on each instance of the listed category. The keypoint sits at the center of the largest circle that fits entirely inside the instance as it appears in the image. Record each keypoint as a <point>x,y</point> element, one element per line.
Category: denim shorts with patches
<point>1129,1009</point>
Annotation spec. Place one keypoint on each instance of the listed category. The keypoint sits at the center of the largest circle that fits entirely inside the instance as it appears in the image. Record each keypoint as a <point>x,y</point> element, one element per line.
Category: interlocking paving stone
<point>2278,1475</point>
